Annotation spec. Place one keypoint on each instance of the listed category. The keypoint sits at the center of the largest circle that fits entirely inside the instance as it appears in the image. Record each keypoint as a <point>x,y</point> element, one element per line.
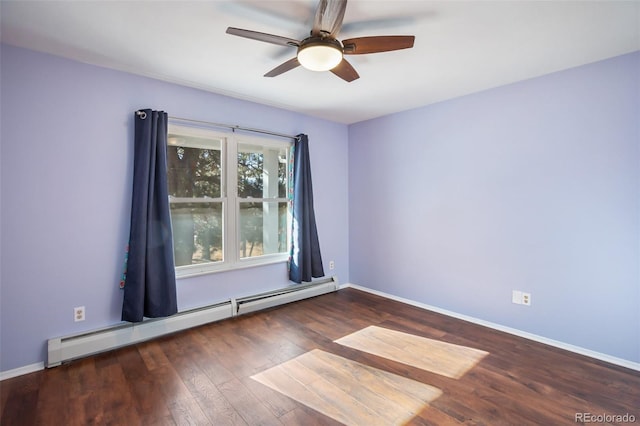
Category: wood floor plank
<point>143,389</point>
<point>186,358</point>
<point>218,409</point>
<point>252,411</point>
<point>188,412</point>
<point>114,398</point>
<point>22,399</point>
<point>278,404</point>
<point>431,416</point>
<point>153,354</point>
<point>203,375</point>
<point>307,417</point>
<point>56,385</point>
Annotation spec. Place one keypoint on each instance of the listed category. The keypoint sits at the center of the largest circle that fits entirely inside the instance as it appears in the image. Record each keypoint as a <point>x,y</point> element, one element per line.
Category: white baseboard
<point>536,338</point>
<point>21,370</point>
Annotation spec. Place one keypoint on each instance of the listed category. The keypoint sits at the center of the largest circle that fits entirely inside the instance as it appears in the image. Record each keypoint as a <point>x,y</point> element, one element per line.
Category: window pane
<point>262,171</point>
<point>193,172</point>
<point>263,228</point>
<point>197,232</point>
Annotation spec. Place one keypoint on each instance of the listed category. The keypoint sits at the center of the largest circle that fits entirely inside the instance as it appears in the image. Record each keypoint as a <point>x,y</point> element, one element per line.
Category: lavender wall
<point>66,152</point>
<point>534,186</point>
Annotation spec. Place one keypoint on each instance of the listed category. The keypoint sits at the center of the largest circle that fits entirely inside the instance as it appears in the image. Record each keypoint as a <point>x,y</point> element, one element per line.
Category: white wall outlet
<point>332,264</point>
<point>78,313</point>
<point>521,298</point>
<point>516,297</point>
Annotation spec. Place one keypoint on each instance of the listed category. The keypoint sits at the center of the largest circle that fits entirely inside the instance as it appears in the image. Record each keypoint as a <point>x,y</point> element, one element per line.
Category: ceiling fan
<point>321,51</point>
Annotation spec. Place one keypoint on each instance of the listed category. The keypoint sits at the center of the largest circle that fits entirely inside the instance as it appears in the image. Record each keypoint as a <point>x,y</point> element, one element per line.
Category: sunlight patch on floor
<point>446,359</point>
<point>348,391</point>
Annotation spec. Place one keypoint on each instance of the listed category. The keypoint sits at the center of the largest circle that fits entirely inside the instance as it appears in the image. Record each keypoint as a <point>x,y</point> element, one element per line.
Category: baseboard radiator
<point>67,348</point>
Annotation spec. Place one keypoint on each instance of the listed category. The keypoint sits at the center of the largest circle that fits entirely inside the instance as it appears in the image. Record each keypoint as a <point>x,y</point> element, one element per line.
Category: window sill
<point>197,270</point>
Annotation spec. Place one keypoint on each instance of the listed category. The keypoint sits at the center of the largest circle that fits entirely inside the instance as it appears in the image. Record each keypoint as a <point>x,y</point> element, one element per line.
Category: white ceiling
<point>461,47</point>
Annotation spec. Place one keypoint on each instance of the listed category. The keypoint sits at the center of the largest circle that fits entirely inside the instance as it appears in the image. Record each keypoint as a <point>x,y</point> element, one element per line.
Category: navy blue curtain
<point>150,284</point>
<point>306,261</point>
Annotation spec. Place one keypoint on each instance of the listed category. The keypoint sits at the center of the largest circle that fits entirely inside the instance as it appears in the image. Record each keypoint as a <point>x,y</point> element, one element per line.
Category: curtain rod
<point>143,115</point>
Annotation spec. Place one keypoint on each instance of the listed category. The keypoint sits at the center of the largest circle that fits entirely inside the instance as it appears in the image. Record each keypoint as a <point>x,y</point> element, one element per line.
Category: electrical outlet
<point>332,264</point>
<point>516,297</point>
<point>78,313</point>
<point>521,298</point>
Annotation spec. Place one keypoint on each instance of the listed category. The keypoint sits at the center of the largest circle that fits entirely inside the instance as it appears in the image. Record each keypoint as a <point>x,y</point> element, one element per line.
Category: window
<point>228,196</point>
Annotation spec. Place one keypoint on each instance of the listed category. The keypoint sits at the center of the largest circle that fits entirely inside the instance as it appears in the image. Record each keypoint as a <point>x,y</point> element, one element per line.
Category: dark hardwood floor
<point>203,376</point>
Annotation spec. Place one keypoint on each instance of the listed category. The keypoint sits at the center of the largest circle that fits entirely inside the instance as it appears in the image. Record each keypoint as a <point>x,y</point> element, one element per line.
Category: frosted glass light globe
<point>319,56</point>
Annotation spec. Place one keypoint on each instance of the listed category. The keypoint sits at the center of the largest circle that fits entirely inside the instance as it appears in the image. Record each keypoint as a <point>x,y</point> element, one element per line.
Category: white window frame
<point>230,142</point>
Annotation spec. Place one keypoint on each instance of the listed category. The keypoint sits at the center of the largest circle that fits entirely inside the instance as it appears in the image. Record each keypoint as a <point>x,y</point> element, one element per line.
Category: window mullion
<point>231,208</point>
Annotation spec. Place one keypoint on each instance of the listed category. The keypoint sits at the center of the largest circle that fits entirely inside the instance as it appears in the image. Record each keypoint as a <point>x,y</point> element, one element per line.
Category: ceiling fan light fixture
<point>320,55</point>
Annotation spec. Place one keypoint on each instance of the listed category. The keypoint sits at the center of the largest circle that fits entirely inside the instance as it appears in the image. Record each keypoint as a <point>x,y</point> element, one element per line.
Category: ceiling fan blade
<point>345,71</point>
<point>317,20</point>
<point>375,44</point>
<point>282,68</point>
<point>329,17</point>
<point>267,38</point>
